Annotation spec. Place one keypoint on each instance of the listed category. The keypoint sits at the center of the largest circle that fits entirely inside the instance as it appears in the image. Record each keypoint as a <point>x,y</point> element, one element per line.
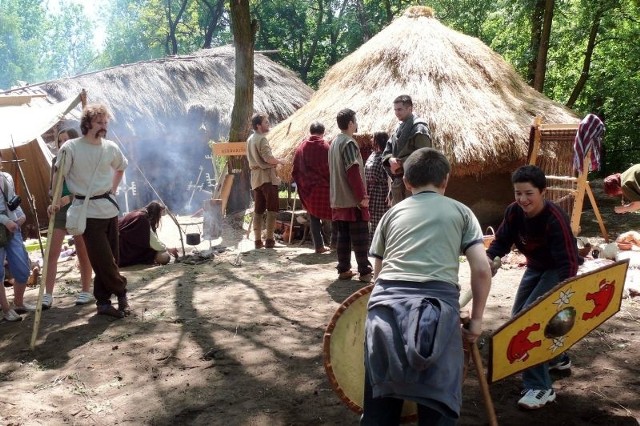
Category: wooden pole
<point>293,213</point>
<point>173,218</point>
<point>57,191</point>
<point>477,361</point>
<point>484,386</point>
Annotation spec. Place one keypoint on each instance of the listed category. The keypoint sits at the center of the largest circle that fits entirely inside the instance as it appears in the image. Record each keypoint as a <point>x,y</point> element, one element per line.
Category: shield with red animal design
<point>557,321</point>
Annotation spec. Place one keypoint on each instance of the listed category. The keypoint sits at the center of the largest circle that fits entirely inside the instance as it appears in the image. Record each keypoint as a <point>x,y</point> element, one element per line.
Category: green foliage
<point>310,36</point>
<point>130,37</point>
<point>36,44</point>
<point>20,45</point>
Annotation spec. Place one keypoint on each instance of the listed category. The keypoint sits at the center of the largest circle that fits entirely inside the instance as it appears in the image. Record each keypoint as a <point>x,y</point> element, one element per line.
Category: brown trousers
<point>266,198</point>
<point>101,239</point>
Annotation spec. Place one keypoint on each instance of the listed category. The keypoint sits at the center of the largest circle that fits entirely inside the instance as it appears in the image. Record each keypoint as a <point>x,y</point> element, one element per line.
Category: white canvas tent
<point>23,121</point>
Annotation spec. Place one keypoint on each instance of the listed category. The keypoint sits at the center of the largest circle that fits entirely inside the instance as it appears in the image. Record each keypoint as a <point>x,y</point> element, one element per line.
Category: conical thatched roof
<point>477,106</point>
<point>149,98</point>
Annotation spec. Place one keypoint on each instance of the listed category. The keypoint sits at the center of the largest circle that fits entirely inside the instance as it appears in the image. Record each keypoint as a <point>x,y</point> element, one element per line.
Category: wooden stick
<point>57,191</point>
<point>179,227</point>
<point>477,360</point>
<point>484,386</point>
<point>293,213</point>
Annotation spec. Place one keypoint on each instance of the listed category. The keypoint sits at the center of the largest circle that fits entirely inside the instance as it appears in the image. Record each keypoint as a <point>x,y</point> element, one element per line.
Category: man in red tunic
<point>311,174</point>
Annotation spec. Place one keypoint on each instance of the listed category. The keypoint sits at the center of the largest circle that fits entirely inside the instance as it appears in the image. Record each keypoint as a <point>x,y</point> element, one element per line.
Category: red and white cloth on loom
<point>589,137</point>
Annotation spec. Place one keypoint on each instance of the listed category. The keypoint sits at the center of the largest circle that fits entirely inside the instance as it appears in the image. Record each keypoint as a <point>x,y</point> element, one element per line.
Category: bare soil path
<point>212,343</point>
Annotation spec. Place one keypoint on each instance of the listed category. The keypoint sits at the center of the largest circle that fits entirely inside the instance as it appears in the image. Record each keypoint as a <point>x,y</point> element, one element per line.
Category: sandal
<point>123,305</point>
<point>110,311</point>
<point>347,275</point>
<point>83,298</point>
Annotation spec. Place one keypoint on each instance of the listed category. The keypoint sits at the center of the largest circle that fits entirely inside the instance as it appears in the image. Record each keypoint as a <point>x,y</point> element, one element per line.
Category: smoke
<point>173,165</point>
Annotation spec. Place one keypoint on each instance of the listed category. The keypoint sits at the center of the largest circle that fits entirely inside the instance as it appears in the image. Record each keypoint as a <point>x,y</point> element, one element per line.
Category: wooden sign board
<point>557,321</point>
<point>227,149</point>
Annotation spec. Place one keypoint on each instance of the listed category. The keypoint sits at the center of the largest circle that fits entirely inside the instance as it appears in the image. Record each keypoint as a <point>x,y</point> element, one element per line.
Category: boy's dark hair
<point>316,128</point>
<point>345,116</point>
<point>426,166</point>
<point>380,139</point>
<point>532,174</point>
<point>404,100</point>
<point>257,120</point>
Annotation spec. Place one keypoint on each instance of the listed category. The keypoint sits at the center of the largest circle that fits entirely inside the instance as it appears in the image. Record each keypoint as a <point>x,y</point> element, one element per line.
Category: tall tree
<point>171,43</point>
<point>537,20</point>
<point>130,37</point>
<point>213,20</point>
<point>244,29</point>
<point>70,46</point>
<point>22,33</point>
<point>543,48</point>
<point>588,55</point>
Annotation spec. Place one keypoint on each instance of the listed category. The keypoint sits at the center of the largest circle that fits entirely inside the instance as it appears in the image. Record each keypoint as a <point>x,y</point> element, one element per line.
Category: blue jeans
<point>533,285</point>
<point>17,257</point>
<point>387,411</point>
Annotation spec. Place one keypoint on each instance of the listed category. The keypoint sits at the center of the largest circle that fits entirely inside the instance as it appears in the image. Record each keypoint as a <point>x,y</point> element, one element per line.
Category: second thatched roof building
<point>478,108</point>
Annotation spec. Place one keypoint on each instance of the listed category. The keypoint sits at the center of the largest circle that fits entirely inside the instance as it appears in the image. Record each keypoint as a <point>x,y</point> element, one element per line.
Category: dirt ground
<point>236,339</point>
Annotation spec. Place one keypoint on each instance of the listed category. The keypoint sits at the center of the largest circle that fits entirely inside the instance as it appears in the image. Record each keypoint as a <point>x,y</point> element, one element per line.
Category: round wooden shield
<point>344,353</point>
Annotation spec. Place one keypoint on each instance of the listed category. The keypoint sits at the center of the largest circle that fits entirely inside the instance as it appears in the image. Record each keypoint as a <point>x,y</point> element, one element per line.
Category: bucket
<point>489,236</point>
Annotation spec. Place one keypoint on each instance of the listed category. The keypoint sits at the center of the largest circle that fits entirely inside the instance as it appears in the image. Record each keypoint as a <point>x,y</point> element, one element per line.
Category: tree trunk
<point>243,29</point>
<point>362,17</point>
<point>541,61</point>
<point>306,65</point>
<point>537,17</point>
<point>216,12</point>
<point>171,45</point>
<point>334,32</point>
<point>388,12</point>
<point>586,65</point>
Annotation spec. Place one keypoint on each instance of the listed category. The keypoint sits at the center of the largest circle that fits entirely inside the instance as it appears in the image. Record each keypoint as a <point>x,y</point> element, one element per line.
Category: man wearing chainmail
<point>412,133</point>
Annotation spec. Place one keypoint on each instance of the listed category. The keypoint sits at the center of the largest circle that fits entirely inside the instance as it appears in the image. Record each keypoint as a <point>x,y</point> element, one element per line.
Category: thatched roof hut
<point>167,110</point>
<point>148,99</point>
<point>478,108</point>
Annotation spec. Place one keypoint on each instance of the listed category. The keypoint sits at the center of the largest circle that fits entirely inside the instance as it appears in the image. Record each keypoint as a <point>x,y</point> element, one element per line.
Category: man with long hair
<point>93,168</point>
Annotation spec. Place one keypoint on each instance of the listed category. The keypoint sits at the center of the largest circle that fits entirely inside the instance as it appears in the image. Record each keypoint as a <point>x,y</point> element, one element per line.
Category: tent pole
<point>57,191</point>
<point>30,199</point>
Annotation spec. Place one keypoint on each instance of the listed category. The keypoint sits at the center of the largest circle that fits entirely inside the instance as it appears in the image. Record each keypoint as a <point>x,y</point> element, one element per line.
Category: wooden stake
<point>293,213</point>
<point>484,386</point>
<point>57,191</point>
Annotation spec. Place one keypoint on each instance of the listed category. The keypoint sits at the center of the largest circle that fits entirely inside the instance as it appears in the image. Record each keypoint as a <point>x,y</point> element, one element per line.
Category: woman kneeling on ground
<point>139,243</point>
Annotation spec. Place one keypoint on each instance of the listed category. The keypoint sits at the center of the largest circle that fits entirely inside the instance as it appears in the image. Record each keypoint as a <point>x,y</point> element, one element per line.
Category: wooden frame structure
<point>551,148</point>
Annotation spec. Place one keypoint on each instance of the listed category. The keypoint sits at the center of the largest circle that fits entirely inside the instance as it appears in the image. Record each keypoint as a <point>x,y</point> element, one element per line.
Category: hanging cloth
<point>589,137</point>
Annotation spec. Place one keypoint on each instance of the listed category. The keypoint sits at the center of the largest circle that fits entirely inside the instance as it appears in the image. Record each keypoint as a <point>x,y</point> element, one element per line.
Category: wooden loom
<point>551,149</point>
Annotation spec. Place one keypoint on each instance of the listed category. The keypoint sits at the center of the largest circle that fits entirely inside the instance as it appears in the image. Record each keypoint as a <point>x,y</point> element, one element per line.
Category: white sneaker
<point>536,398</point>
<point>47,301</point>
<point>12,316</point>
<point>26,307</point>
<point>83,298</point>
